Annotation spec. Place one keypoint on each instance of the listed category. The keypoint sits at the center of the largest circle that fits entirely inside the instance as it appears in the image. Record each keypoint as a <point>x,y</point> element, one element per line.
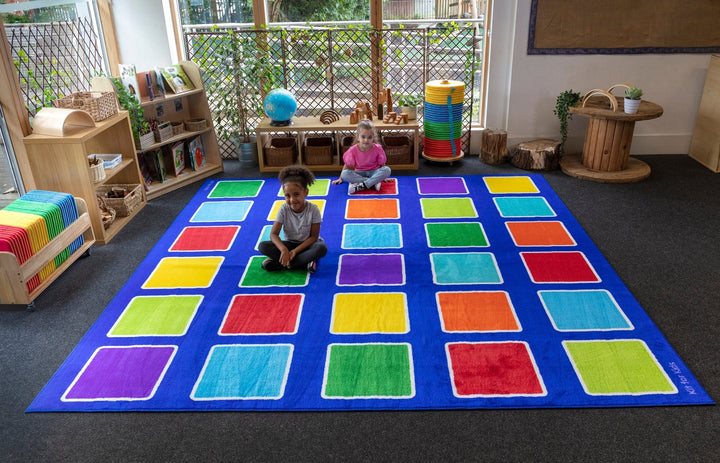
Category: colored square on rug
<point>320,187</point>
<point>447,208</point>
<point>236,189</point>
<point>455,235</point>
<point>372,209</point>
<point>476,311</point>
<point>442,186</point>
<point>194,239</point>
<point>387,187</point>
<point>372,236</point>
<point>514,206</point>
<point>477,292</point>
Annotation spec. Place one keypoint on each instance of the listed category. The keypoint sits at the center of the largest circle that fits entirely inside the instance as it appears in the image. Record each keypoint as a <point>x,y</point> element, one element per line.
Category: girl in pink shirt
<point>364,161</point>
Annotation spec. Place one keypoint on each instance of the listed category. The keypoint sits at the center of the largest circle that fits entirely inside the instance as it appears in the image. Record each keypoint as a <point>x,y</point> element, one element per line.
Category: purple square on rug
<point>121,373</point>
<point>371,269</point>
<point>442,186</point>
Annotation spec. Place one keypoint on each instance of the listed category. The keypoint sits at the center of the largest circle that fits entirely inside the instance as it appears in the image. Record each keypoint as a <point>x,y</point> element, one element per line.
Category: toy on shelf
<point>329,116</point>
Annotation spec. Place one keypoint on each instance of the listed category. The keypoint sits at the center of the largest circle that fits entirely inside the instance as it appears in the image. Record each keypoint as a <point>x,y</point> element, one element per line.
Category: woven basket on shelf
<point>318,150</point>
<point>346,142</point>
<point>164,131</point>
<point>100,105</point>
<point>195,125</point>
<point>123,206</point>
<point>280,151</point>
<point>107,213</point>
<point>397,149</point>
<point>177,127</point>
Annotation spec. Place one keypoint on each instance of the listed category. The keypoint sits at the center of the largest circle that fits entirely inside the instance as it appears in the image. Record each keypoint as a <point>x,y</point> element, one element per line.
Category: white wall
<point>141,33</point>
<point>522,88</point>
<point>522,98</point>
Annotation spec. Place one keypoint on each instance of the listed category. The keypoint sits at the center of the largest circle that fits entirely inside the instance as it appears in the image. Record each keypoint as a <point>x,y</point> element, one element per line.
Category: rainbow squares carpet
<point>436,293</point>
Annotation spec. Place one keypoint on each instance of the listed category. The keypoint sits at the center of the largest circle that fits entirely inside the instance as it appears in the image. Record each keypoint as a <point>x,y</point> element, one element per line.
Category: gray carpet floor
<point>661,235</point>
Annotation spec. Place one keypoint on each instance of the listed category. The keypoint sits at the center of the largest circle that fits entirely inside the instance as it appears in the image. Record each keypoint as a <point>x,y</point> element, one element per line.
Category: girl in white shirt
<point>300,221</point>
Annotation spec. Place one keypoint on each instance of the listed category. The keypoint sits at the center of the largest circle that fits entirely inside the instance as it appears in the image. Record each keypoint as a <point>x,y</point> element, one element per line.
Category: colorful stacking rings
<point>442,123</point>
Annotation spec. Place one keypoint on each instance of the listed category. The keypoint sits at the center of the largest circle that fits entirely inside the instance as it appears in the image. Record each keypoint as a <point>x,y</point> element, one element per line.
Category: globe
<point>280,106</point>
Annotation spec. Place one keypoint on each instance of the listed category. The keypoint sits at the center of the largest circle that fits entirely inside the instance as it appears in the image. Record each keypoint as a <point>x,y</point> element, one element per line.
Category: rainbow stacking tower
<point>443,120</point>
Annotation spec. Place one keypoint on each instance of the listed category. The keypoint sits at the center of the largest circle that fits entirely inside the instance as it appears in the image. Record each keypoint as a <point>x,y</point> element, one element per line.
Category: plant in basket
<point>247,76</point>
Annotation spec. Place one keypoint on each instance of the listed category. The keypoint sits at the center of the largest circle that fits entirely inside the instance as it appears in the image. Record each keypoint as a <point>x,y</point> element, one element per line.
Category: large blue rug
<point>436,293</point>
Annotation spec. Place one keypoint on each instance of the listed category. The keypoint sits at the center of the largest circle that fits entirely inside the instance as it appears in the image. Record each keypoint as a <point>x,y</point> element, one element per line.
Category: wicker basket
<point>107,213</point>
<point>195,125</point>
<point>397,149</point>
<point>126,205</point>
<point>318,150</point>
<point>164,131</point>
<point>346,142</point>
<point>177,128</point>
<point>280,151</point>
<point>100,105</point>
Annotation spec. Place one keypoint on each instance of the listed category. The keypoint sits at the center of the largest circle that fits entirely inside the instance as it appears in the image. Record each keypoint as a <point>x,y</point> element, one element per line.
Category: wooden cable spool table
<point>606,153</point>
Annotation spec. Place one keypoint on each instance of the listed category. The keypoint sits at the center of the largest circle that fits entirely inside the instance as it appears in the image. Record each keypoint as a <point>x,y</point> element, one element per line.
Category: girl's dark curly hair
<point>297,174</point>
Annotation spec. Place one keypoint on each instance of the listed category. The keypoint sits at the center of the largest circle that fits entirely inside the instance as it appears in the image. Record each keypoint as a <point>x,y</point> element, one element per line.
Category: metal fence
<point>54,60</point>
<point>335,68</point>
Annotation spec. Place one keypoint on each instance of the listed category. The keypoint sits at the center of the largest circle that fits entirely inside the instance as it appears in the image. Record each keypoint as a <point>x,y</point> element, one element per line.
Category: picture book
<point>156,164</point>
<point>145,170</point>
<point>149,86</point>
<point>196,153</point>
<point>158,79</point>
<point>176,79</point>
<point>128,77</point>
<point>176,160</point>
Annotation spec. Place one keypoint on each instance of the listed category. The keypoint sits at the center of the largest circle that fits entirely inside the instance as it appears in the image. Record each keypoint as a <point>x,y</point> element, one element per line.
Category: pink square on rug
<point>205,238</point>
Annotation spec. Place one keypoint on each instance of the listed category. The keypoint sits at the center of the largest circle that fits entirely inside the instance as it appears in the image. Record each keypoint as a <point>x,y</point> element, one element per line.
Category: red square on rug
<point>205,238</point>
<point>493,369</point>
<point>559,267</point>
<point>387,187</point>
<point>263,314</point>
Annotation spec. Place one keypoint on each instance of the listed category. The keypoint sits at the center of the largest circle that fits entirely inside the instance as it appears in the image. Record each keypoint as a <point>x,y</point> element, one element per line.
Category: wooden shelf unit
<point>194,106</point>
<point>14,277</point>
<point>309,124</point>
<point>61,164</point>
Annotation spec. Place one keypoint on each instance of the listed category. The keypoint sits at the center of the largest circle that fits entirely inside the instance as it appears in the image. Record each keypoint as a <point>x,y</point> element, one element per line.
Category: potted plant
<point>563,102</point>
<point>632,99</point>
<point>409,102</point>
<point>141,130</point>
<point>247,77</point>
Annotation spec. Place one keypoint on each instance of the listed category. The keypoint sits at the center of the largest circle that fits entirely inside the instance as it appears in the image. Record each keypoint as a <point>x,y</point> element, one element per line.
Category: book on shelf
<point>156,164</point>
<point>145,170</point>
<point>128,77</point>
<point>149,86</point>
<point>176,159</point>
<point>176,79</point>
<point>196,153</point>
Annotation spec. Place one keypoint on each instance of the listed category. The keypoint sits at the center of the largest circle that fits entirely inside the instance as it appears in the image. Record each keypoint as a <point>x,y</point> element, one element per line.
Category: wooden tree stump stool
<point>540,154</point>
<point>494,146</point>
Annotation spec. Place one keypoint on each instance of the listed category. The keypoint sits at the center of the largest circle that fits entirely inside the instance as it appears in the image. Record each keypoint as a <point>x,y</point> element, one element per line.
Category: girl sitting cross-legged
<point>300,220</point>
<point>364,161</point>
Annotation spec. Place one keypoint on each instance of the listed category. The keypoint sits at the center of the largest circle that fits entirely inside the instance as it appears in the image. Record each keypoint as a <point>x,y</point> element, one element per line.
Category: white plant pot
<point>411,111</point>
<point>631,106</point>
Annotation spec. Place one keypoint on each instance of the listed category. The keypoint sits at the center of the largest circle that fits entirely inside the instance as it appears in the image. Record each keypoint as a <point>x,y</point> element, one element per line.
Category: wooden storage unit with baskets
<point>60,163</point>
<point>188,115</point>
<point>15,276</point>
<point>280,151</point>
<point>397,149</point>
<point>308,127</point>
<point>318,150</point>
